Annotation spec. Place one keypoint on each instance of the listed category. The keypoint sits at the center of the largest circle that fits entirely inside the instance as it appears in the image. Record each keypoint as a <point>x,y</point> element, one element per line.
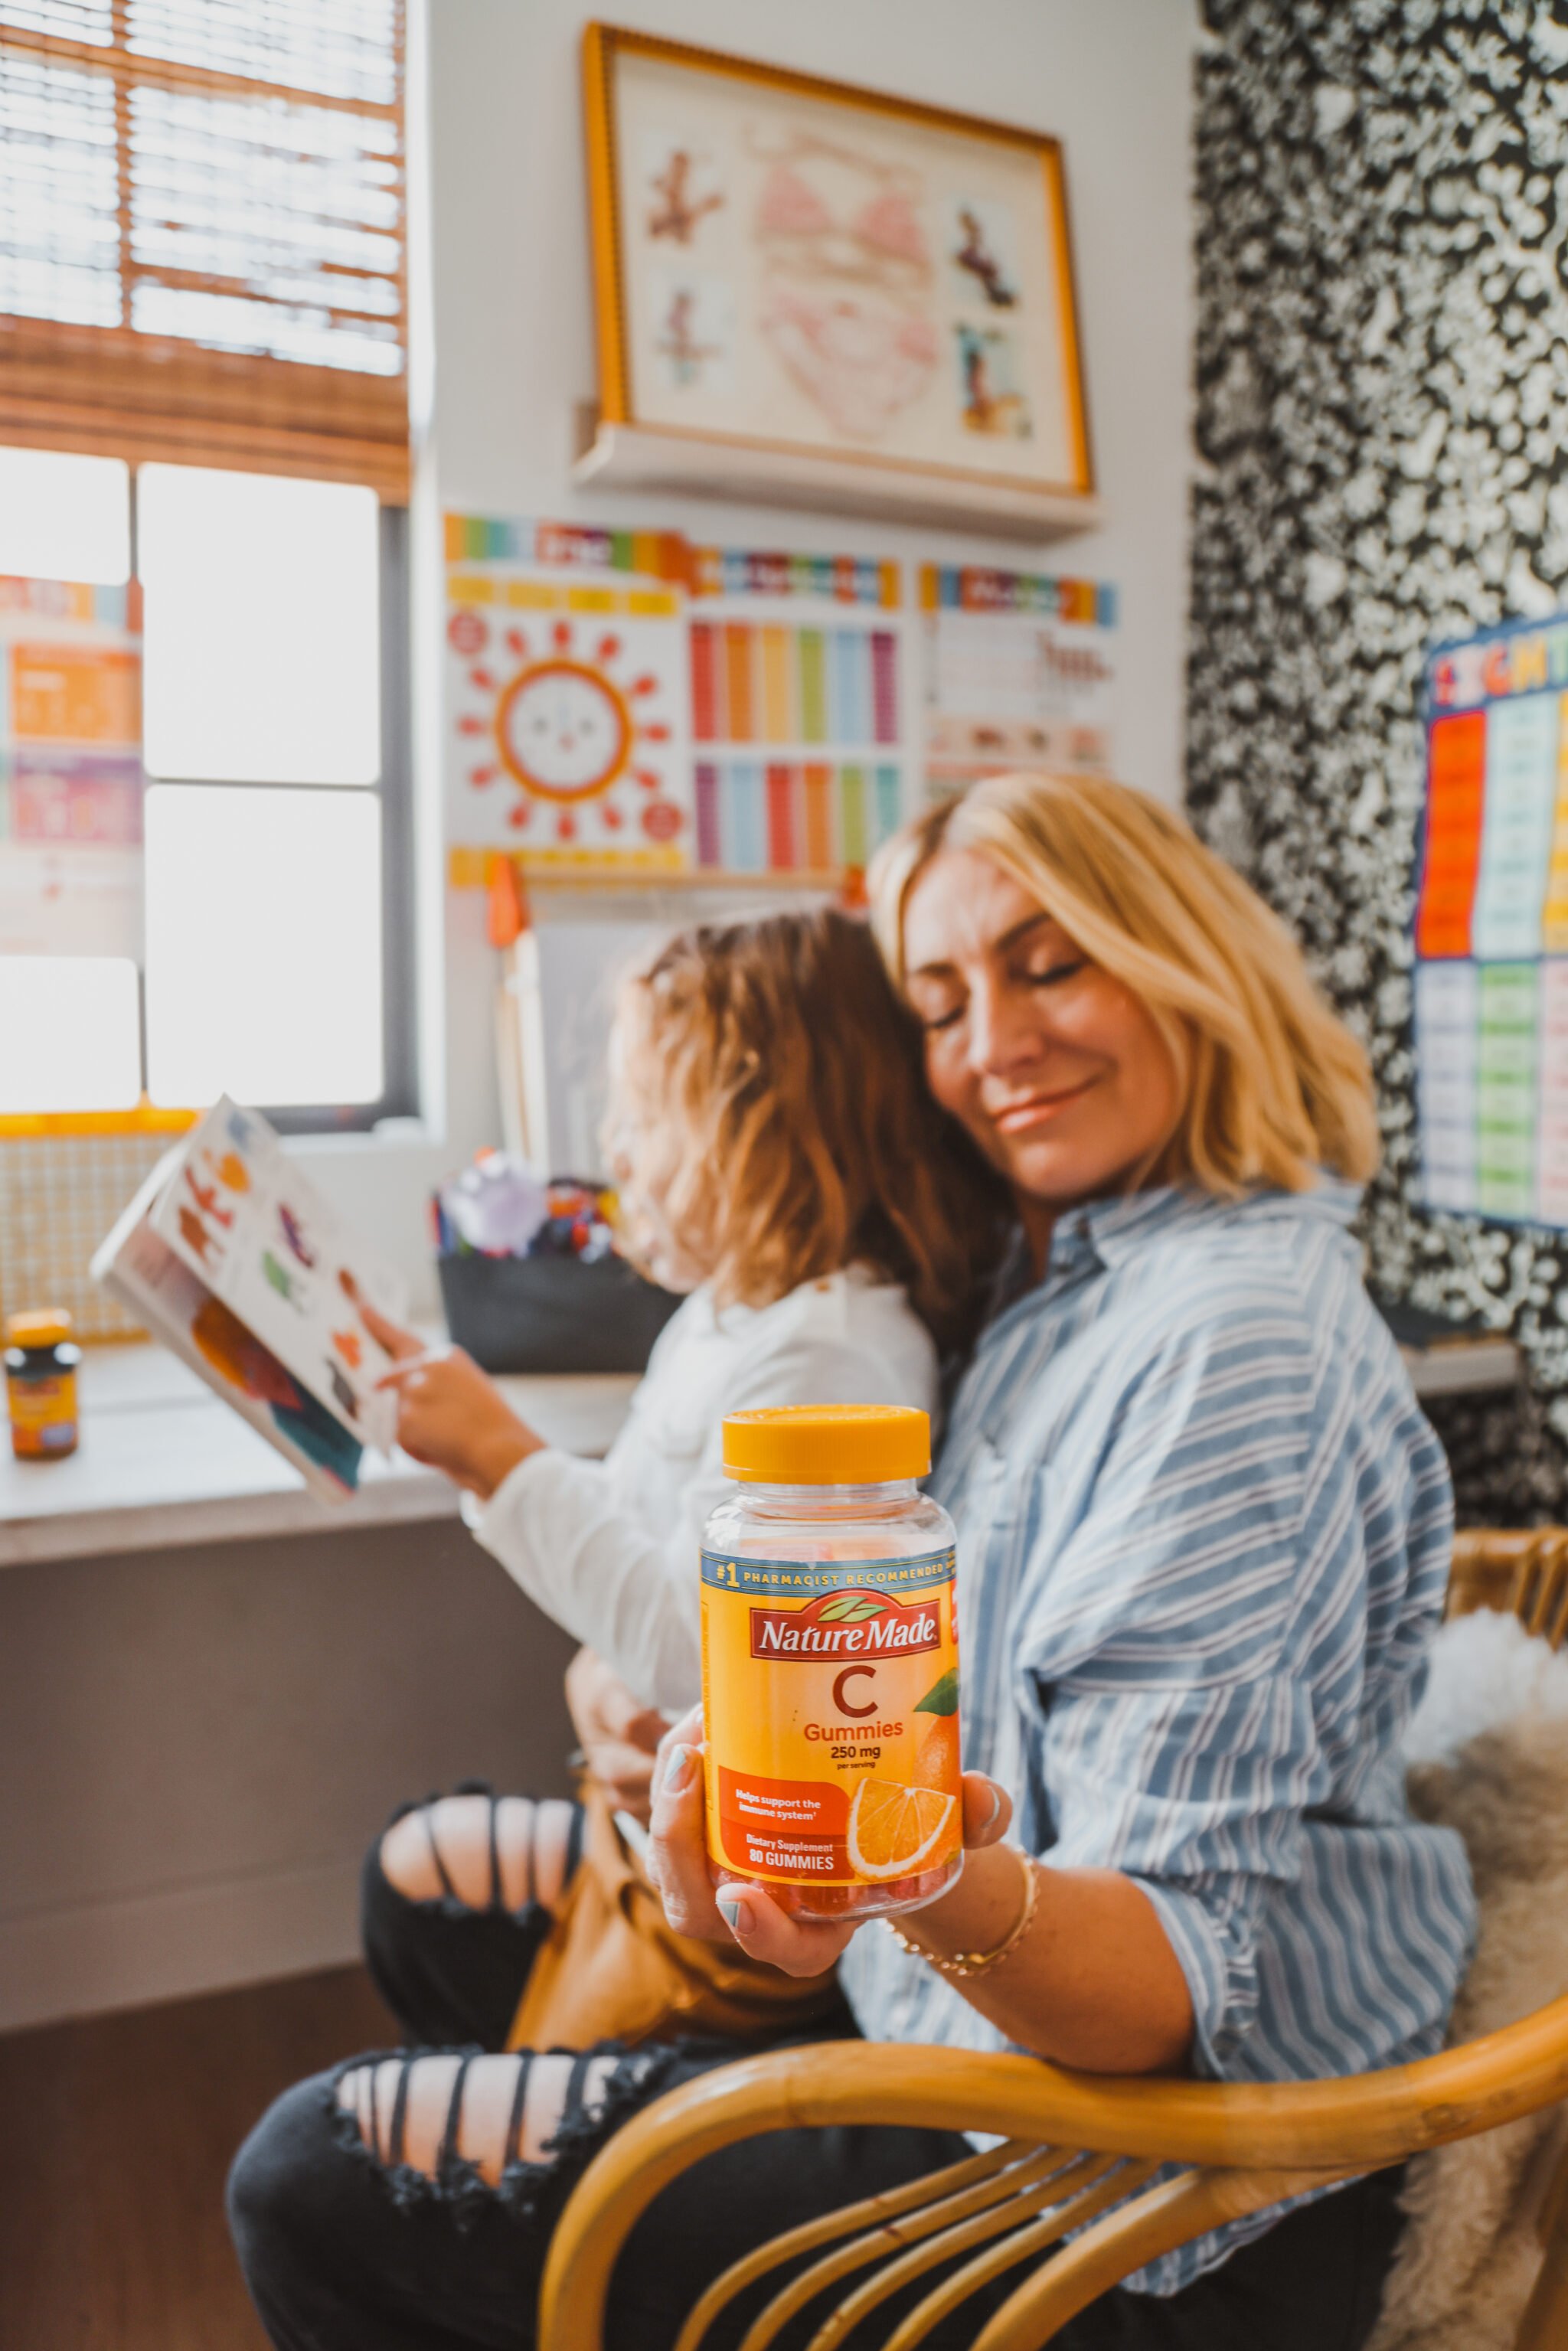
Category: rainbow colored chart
<point>768,695</point>
<point>770,682</point>
<point>757,816</point>
<point>1491,927</point>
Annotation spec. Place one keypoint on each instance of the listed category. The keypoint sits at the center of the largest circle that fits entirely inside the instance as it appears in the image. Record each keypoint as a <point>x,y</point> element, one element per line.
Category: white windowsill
<point>163,1462</point>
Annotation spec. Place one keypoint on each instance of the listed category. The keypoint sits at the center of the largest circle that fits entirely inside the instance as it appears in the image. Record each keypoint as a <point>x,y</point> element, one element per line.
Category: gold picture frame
<point>817,293</point>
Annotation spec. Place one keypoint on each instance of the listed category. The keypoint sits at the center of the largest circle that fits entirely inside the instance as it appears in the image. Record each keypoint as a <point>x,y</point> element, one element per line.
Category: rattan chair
<point>1078,2151</point>
<point>1525,1574</point>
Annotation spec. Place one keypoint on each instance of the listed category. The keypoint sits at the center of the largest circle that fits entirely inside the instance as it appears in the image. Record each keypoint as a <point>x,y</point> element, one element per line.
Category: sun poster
<point>567,702</point>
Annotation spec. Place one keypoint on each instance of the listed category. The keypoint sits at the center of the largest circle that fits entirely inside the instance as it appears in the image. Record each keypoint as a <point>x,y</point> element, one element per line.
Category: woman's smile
<point>1038,1109</point>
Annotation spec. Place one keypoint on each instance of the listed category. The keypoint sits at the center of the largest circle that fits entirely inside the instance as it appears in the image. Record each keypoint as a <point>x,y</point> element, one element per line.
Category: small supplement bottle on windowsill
<point>830,1663</point>
<point>41,1384</point>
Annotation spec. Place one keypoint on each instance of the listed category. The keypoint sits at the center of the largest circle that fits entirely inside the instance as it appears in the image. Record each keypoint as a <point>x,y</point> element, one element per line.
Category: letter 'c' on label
<point>841,1703</point>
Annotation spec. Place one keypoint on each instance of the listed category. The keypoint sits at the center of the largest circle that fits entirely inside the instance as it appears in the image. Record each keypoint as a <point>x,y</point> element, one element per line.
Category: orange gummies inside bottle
<point>830,1663</point>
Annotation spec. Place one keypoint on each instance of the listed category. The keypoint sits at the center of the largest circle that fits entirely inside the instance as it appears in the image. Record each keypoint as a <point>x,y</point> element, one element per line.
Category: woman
<point>1204,1535</point>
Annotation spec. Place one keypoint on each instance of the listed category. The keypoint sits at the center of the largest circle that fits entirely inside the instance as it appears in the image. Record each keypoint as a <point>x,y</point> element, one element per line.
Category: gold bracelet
<point>978,1963</point>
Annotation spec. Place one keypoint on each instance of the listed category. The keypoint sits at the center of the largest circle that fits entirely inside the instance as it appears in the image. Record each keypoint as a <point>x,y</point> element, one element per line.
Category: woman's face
<point>1056,1069</point>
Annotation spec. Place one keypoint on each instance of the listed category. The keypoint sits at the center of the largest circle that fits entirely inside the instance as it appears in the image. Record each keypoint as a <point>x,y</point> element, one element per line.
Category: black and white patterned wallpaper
<point>1382,407</point>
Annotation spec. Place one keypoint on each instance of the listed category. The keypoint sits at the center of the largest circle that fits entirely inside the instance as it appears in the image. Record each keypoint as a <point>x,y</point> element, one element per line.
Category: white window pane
<point>70,1033</point>
<point>264,945</point>
<point>64,517</point>
<point>261,633</point>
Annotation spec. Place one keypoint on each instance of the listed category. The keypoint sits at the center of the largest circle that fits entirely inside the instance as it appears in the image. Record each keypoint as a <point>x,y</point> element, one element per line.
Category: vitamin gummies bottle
<point>830,1663</point>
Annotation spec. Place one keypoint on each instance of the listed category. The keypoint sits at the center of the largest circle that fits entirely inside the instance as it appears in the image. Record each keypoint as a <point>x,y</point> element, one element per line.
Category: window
<point>263,954</point>
<point>202,233</point>
<point>204,425</point>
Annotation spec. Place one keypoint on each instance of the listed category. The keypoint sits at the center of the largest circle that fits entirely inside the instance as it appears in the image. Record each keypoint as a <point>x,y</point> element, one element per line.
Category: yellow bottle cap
<point>46,1328</point>
<point>827,1444</point>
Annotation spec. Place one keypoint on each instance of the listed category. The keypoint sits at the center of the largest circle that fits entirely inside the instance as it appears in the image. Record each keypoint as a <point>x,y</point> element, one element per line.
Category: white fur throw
<point>1487,1751</point>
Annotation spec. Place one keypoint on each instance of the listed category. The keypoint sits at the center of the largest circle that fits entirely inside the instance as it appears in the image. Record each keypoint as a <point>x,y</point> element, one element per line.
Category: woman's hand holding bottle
<point>739,1910</point>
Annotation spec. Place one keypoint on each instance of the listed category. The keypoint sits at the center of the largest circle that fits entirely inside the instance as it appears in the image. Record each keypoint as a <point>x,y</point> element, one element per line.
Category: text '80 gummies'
<point>830,1663</point>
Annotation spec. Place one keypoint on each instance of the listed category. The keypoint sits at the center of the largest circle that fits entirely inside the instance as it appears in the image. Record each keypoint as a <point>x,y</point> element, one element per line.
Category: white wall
<point>197,1746</point>
<point>512,347</point>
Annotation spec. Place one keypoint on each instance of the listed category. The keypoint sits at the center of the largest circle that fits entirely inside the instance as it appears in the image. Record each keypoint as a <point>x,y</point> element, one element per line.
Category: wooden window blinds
<point>202,251</point>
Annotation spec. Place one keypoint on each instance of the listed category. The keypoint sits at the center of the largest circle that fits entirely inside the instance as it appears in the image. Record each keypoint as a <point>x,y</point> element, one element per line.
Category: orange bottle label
<point>830,1709</point>
<point>43,1414</point>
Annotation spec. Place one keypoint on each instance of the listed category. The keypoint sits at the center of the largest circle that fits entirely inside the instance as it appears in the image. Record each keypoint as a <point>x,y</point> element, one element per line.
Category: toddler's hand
<point>450,1414</point>
<point>618,1734</point>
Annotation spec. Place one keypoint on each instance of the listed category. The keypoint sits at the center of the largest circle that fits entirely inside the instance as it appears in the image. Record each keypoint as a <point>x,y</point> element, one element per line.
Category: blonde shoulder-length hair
<point>1275,1087</point>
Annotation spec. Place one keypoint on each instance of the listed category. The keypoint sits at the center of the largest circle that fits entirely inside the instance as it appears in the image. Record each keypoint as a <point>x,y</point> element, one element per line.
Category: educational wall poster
<point>1020,672</point>
<point>246,1219</point>
<point>745,714</point>
<point>566,723</point>
<point>797,723</point>
<point>1491,927</point>
<point>629,701</point>
<point>70,769</point>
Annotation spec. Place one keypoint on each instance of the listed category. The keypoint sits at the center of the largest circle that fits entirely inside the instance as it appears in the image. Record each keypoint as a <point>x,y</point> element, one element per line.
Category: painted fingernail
<point>677,1770</point>
<point>736,1914</point>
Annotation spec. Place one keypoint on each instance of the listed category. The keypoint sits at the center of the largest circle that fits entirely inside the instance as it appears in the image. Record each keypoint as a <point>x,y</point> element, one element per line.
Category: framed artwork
<point>793,265</point>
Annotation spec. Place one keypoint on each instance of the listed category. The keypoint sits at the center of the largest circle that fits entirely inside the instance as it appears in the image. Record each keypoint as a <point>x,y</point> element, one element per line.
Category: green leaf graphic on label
<point>942,1697</point>
<point>849,1608</point>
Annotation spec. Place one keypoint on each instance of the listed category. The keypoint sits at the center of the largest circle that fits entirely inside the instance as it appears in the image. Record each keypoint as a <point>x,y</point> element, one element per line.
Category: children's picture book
<point>236,1262</point>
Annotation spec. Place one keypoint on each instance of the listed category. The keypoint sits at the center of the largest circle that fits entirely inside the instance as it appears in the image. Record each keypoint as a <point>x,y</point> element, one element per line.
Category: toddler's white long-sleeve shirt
<point>609,1548</point>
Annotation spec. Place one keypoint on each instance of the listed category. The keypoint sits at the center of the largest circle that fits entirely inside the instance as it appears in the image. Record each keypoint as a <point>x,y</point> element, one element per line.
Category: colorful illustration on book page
<point>1020,672</point>
<point>233,1360</point>
<point>242,1216</point>
<point>567,702</point>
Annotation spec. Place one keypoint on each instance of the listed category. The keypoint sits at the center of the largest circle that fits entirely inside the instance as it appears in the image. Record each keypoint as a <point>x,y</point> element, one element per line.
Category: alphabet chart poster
<point>1491,927</point>
<point>243,1216</point>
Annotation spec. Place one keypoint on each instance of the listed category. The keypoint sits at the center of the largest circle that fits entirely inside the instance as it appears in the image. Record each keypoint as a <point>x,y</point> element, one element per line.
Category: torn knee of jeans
<point>464,2126</point>
<point>478,1852</point>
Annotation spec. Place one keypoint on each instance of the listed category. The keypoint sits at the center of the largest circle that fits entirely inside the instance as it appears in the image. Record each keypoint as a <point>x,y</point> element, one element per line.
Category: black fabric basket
<point>552,1313</point>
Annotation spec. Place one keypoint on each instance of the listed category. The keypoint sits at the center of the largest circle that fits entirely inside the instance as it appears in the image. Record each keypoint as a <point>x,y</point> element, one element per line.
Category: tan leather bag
<point>613,1969</point>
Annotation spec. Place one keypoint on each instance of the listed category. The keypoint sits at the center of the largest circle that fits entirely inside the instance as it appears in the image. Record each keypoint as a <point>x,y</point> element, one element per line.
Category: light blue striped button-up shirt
<point>1203,1539</point>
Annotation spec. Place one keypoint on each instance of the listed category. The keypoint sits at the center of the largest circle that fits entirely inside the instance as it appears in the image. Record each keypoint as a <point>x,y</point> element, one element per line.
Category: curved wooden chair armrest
<point>1258,2142</point>
<point>1520,1571</point>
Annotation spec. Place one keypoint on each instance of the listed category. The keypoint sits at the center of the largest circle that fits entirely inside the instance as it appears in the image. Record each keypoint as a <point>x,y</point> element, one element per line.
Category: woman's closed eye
<point>935,1006</point>
<point>1052,974</point>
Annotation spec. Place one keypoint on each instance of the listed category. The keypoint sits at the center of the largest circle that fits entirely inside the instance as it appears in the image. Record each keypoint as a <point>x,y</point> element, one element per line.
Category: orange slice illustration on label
<point>892,1829</point>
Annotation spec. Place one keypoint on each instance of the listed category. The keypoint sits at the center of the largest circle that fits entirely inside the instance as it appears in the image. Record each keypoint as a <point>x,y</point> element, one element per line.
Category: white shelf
<point>163,1461</point>
<point>629,457</point>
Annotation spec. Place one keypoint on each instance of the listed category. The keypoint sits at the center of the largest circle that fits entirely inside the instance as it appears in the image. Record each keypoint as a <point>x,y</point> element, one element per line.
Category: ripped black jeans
<point>405,2201</point>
